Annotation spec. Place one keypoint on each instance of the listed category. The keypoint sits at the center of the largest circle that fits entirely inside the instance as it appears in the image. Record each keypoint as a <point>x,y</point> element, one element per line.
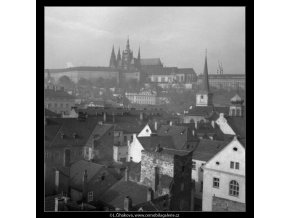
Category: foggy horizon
<point>84,36</point>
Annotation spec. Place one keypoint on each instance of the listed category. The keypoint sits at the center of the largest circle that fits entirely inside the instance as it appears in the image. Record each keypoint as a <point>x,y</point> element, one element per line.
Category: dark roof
<point>207,110</point>
<point>238,124</point>
<point>206,149</point>
<point>77,170</point>
<point>116,194</point>
<point>150,143</point>
<point>129,127</point>
<point>81,68</point>
<point>223,76</point>
<point>186,70</point>
<point>49,113</point>
<point>150,61</point>
<point>158,204</point>
<point>59,94</point>
<point>67,127</point>
<point>179,134</point>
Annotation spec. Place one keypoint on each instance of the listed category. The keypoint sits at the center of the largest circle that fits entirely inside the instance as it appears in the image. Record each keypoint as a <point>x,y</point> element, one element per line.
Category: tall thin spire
<point>128,44</point>
<point>139,56</point>
<point>205,75</point>
<point>119,55</point>
<point>113,58</point>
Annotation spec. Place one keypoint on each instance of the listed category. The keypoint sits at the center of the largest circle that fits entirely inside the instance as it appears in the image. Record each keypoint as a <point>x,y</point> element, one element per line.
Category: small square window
<point>216,182</point>
<point>90,196</point>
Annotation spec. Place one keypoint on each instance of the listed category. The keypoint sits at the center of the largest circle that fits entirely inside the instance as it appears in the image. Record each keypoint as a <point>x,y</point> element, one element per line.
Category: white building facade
<point>224,179</point>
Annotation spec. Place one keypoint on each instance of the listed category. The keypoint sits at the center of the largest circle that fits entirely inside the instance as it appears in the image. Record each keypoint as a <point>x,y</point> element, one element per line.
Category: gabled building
<point>224,179</point>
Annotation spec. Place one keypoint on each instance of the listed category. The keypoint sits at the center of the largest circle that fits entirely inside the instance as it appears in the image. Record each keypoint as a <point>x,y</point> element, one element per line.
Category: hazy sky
<point>84,36</point>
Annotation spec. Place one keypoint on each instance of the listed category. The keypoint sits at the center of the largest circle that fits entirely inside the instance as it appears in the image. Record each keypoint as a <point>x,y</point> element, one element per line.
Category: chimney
<point>193,132</point>
<point>127,203</point>
<point>195,124</point>
<point>59,204</point>
<point>85,186</point>
<point>141,116</point>
<point>155,179</point>
<point>150,194</point>
<point>192,196</point>
<point>170,123</point>
<point>155,125</point>
<point>56,181</point>
<point>127,174</point>
<point>105,116</point>
<point>213,123</point>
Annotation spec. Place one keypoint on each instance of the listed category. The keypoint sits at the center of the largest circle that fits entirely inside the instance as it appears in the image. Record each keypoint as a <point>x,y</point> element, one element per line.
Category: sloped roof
<point>150,61</point>
<point>186,71</point>
<point>158,204</point>
<point>207,110</point>
<point>150,143</point>
<point>179,134</point>
<point>60,94</point>
<point>70,126</point>
<point>238,124</point>
<point>81,68</point>
<point>116,194</point>
<point>77,170</point>
<point>206,149</point>
<point>49,113</point>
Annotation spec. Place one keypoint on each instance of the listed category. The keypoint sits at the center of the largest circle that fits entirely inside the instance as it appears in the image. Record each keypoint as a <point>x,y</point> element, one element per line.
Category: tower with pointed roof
<point>236,107</point>
<point>119,60</point>
<point>127,56</point>
<point>113,61</point>
<point>204,96</point>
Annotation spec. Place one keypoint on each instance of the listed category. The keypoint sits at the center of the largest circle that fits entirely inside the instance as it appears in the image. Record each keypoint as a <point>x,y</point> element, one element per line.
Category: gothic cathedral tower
<point>204,96</point>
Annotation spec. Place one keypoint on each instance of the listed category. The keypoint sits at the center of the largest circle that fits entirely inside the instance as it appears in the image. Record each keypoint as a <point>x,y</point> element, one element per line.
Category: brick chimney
<point>85,186</point>
<point>155,179</point>
<point>127,203</point>
<point>127,174</point>
<point>213,124</point>
<point>192,196</point>
<point>156,125</point>
<point>59,204</point>
<point>56,181</point>
<point>105,116</point>
<point>150,194</point>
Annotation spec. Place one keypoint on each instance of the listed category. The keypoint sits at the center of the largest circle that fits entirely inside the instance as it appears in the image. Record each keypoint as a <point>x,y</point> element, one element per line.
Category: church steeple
<point>139,56</point>
<point>204,97</point>
<point>205,85</point>
<point>113,61</point>
<point>119,55</point>
<point>128,44</point>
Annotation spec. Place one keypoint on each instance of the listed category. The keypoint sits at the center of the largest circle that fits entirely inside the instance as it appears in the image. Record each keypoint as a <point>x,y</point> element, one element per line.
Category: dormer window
<point>62,135</point>
<point>235,148</point>
<point>201,96</point>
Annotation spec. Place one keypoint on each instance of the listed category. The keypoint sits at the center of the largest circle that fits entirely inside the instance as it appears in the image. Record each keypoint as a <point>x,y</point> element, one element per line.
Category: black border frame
<point>249,96</point>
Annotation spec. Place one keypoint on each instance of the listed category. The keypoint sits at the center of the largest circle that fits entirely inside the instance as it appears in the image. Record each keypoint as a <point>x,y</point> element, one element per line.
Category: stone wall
<point>221,204</point>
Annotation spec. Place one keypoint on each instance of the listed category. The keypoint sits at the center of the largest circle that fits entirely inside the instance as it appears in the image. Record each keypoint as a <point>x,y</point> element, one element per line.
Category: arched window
<point>234,188</point>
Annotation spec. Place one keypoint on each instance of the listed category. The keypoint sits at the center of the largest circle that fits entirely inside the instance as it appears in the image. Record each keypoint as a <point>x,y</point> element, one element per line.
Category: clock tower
<point>204,96</point>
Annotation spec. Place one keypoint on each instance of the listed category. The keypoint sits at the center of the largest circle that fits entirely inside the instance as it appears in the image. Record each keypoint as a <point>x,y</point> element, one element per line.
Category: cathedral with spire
<point>126,61</point>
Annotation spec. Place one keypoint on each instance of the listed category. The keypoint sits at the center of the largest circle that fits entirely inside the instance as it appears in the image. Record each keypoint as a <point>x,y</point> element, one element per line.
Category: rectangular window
<point>90,196</point>
<point>194,165</point>
<point>237,165</point>
<point>216,182</point>
<point>232,165</point>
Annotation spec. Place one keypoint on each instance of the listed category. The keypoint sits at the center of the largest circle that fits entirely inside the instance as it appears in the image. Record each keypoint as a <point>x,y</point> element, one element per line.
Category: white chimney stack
<point>155,125</point>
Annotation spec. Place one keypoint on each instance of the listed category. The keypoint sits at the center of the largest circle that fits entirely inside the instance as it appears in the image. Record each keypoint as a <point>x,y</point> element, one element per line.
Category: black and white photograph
<point>144,109</point>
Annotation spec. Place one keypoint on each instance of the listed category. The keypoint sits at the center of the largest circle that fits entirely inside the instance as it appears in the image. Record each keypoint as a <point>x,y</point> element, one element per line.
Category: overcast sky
<point>84,36</point>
